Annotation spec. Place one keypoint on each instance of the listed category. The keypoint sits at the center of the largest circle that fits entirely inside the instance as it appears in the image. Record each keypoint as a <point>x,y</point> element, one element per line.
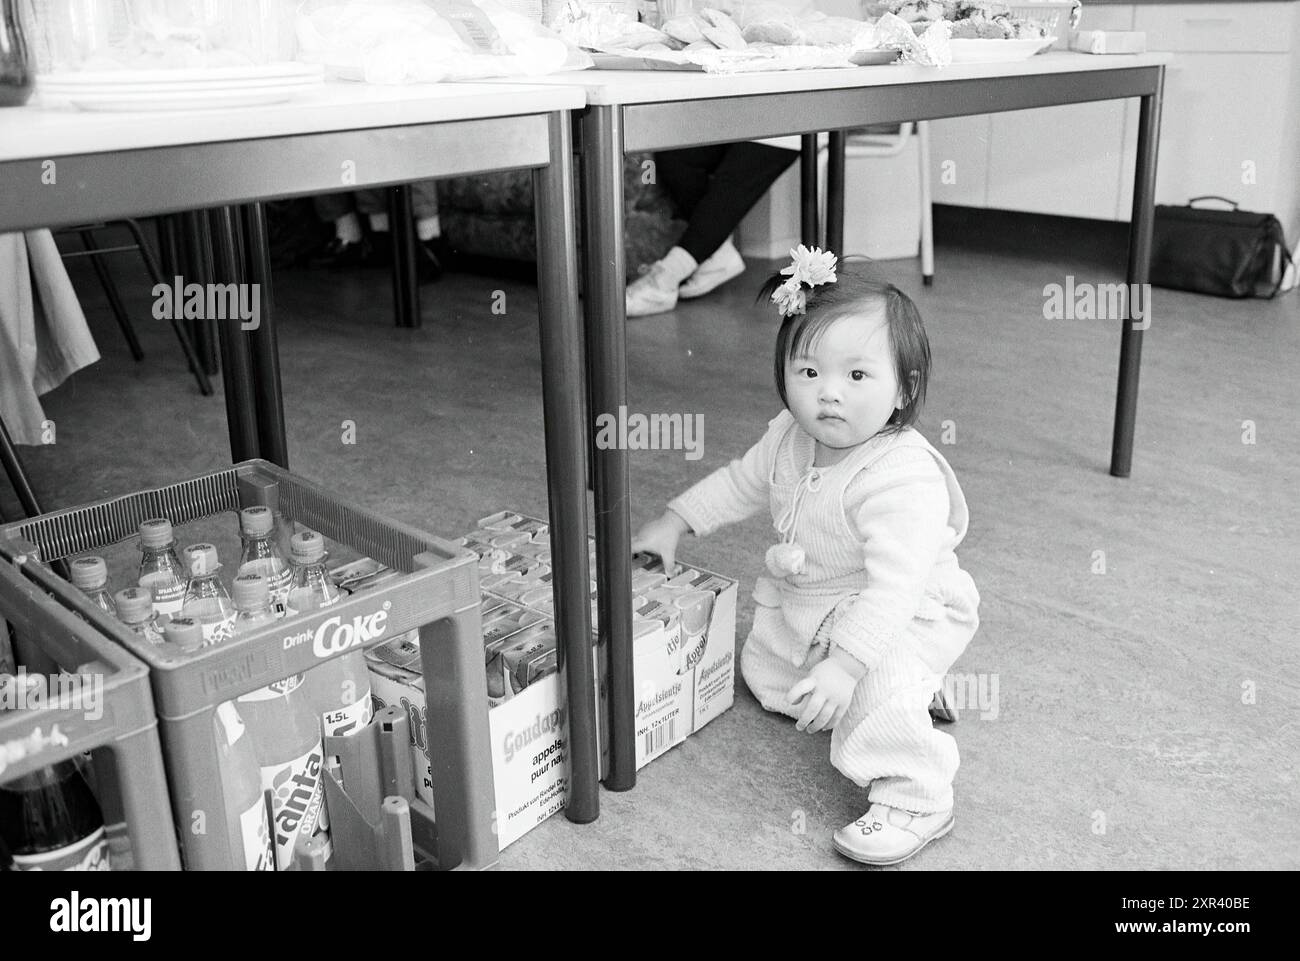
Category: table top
<point>608,87</point>
<point>33,131</point>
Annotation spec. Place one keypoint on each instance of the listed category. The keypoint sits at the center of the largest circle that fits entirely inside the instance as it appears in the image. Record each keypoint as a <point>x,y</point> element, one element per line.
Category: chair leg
<point>155,274</point>
<point>17,476</point>
<point>114,300</point>
<point>927,212</point>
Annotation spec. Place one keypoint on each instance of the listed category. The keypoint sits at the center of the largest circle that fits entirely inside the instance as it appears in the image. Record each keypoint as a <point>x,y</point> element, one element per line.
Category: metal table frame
<point>607,131</point>
<point>223,174</point>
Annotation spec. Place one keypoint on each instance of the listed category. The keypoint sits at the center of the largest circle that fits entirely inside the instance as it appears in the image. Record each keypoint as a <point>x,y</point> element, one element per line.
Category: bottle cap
<point>202,560</point>
<point>185,632</point>
<point>251,592</point>
<point>134,605</point>
<point>256,521</point>
<point>156,532</point>
<point>307,547</point>
<point>89,573</point>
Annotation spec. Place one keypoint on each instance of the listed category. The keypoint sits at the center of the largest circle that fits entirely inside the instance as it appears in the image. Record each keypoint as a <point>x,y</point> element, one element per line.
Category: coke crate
<point>436,594</point>
<point>116,724</point>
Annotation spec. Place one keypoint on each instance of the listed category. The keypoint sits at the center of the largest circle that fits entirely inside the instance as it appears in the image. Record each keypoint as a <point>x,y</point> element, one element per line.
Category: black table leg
<point>808,230</point>
<point>835,192</point>
<point>197,237</point>
<point>605,309</point>
<point>1139,273</point>
<point>566,473</point>
<point>406,281</point>
<point>263,343</point>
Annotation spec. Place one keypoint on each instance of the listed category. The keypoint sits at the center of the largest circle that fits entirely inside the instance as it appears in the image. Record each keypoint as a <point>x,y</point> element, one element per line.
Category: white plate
<point>997,51</point>
<point>68,89</point>
<point>183,100</point>
<point>173,78</point>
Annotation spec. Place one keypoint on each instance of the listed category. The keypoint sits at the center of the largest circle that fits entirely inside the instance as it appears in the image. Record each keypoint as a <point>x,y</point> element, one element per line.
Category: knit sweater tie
<point>787,557</point>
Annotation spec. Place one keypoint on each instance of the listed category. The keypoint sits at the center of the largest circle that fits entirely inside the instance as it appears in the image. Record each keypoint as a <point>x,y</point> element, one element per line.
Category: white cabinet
<point>1230,123</point>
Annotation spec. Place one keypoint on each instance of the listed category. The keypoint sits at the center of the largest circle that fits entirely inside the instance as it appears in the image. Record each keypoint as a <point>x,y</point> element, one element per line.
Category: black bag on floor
<point>1228,253</point>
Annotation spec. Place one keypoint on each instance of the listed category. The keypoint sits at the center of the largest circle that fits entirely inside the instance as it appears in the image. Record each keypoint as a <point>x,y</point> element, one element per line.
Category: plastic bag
<point>930,48</point>
<point>427,41</point>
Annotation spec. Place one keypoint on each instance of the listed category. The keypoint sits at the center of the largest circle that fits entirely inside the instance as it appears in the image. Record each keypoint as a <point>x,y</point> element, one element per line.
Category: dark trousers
<point>714,187</point>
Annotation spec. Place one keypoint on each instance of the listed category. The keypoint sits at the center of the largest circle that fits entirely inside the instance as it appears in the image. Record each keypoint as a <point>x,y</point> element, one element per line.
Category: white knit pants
<point>885,741</point>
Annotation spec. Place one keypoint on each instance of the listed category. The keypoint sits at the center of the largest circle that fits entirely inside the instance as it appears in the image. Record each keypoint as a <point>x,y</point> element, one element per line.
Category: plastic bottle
<point>17,72</point>
<point>340,687</point>
<point>90,576</point>
<point>252,602</point>
<point>311,587</point>
<point>284,728</point>
<point>248,827</point>
<point>135,609</point>
<point>184,632</point>
<point>51,821</point>
<point>262,556</point>
<point>160,569</point>
<point>206,598</point>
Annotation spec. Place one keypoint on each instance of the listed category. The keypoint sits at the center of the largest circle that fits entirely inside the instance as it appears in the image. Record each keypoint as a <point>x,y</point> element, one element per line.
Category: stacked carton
<point>684,631</point>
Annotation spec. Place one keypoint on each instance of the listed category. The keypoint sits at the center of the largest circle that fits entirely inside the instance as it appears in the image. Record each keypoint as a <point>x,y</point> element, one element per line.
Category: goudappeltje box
<point>526,715</point>
<point>684,626</point>
<point>683,664</point>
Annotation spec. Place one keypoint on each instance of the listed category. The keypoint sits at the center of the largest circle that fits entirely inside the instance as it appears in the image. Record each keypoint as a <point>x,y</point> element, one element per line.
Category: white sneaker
<point>655,292</point>
<point>725,264</point>
<point>887,835</point>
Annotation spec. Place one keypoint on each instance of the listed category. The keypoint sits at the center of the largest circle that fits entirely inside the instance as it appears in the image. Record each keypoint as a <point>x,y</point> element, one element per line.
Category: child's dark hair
<point>854,293</point>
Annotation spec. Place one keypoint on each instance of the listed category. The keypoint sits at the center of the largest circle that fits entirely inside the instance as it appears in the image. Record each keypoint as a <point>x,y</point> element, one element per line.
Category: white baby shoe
<point>887,835</point>
<point>725,264</point>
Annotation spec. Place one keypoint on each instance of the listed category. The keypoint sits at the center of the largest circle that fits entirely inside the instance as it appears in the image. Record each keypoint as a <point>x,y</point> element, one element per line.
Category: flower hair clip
<point>808,269</point>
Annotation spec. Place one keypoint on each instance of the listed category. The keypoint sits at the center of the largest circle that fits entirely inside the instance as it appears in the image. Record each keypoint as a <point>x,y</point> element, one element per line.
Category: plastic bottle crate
<point>123,739</point>
<point>437,593</point>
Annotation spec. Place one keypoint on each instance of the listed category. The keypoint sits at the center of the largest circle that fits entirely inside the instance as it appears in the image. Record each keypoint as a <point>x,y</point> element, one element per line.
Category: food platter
<point>997,51</point>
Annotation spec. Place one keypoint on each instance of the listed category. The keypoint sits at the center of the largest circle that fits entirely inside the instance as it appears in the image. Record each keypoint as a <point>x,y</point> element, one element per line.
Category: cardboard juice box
<point>684,671</point>
<point>527,725</point>
<point>684,632</point>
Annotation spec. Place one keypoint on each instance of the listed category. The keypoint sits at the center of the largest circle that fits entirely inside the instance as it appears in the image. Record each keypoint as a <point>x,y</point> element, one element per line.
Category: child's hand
<point>660,538</point>
<point>828,689</point>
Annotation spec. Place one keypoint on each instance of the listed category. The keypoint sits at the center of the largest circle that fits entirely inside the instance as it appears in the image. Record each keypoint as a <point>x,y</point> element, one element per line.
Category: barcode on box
<point>659,738</point>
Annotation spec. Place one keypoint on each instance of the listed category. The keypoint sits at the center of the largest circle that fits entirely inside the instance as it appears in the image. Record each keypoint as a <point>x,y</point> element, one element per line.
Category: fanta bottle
<point>206,598</point>
<point>135,609</point>
<point>285,731</point>
<point>160,570</point>
<point>241,784</point>
<point>262,555</point>
<point>90,576</point>
<point>340,688</point>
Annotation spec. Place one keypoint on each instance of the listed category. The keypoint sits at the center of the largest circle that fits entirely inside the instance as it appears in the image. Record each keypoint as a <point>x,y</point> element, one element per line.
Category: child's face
<point>844,390</point>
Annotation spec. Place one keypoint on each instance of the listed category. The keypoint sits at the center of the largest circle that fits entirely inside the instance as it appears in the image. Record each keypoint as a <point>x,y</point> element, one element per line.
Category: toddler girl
<point>866,608</point>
